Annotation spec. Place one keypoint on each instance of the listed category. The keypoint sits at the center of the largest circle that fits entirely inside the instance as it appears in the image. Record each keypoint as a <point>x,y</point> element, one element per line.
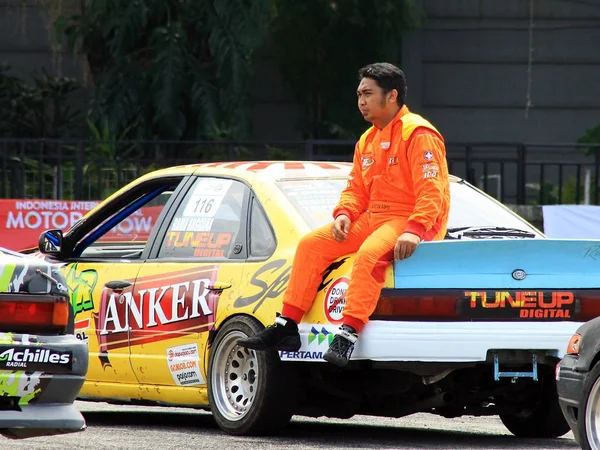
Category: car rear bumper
<point>41,420</point>
<point>569,385</point>
<point>40,378</point>
<point>438,341</point>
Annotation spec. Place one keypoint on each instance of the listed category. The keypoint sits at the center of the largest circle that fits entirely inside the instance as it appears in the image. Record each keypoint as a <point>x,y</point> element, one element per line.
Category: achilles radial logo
<point>30,358</point>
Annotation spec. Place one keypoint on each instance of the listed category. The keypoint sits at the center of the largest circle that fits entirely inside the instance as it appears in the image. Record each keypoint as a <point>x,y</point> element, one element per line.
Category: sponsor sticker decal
<point>207,197</point>
<point>268,283</point>
<point>184,364</point>
<point>318,337</point>
<point>205,244</point>
<point>300,354</point>
<point>156,308</point>
<point>521,304</point>
<point>335,300</point>
<point>81,327</point>
<point>33,359</point>
<point>367,161</point>
<point>428,155</point>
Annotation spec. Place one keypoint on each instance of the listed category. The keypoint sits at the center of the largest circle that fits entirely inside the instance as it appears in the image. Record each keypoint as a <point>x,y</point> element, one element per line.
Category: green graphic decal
<point>6,273</point>
<point>82,286</point>
<point>320,336</point>
<point>16,383</point>
<point>6,338</point>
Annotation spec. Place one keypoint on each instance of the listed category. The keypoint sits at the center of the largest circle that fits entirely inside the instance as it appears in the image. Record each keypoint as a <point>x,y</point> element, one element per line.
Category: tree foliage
<point>169,69</point>
<point>320,44</point>
<point>36,110</point>
<point>591,136</point>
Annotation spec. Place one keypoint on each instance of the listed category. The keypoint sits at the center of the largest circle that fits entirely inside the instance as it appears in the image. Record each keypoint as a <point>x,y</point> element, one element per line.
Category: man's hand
<point>340,227</point>
<point>406,246</point>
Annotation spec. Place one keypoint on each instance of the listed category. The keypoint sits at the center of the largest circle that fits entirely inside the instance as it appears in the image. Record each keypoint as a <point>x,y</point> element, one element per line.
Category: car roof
<point>272,170</point>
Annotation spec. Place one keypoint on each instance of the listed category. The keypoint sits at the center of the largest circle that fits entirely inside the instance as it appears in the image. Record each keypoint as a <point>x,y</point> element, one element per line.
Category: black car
<point>42,364</point>
<point>578,384</point>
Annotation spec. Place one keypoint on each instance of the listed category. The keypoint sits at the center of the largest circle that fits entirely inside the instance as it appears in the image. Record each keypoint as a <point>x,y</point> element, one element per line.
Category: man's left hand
<point>406,245</point>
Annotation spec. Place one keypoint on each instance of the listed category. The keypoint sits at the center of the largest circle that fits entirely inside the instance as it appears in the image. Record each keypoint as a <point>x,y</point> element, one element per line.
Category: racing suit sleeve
<point>354,198</point>
<point>427,157</point>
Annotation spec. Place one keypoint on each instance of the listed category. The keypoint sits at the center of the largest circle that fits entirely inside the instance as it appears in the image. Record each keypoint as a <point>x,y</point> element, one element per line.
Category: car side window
<point>128,224</point>
<point>262,240</point>
<point>208,222</point>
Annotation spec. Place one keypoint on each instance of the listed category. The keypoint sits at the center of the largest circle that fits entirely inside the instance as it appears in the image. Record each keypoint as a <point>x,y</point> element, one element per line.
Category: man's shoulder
<point>412,122</point>
<point>365,136</point>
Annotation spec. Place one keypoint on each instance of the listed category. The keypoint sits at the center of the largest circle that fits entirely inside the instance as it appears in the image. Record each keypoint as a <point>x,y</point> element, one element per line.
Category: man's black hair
<point>388,77</point>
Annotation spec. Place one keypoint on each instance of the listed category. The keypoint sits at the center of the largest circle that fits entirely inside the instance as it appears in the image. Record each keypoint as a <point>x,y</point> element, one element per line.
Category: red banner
<point>22,221</point>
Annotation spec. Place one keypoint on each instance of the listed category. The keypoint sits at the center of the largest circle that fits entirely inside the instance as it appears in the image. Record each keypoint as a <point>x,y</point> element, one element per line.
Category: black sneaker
<point>282,335</point>
<point>341,348</point>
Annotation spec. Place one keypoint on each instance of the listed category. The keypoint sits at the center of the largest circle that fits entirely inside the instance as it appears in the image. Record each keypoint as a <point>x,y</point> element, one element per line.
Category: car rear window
<point>315,200</point>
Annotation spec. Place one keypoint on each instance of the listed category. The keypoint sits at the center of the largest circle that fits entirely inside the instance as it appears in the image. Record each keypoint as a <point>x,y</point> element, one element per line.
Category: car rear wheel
<point>542,418</point>
<point>589,414</point>
<point>250,392</point>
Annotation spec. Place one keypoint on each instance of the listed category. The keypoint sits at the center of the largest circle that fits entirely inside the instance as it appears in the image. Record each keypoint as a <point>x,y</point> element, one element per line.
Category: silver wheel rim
<point>592,416</point>
<point>234,377</point>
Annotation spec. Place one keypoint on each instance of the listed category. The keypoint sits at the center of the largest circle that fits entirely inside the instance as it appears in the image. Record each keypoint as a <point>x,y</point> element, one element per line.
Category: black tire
<point>589,396</point>
<point>261,398</point>
<point>542,419</point>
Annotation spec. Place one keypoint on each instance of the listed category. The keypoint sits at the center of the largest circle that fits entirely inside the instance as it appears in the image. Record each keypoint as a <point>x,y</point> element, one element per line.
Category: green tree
<point>319,45</point>
<point>592,137</point>
<point>169,69</point>
<point>41,109</point>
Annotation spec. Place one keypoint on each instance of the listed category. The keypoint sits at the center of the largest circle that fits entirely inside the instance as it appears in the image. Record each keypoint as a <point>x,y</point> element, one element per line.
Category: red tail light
<point>411,307</point>
<point>588,305</point>
<point>32,313</point>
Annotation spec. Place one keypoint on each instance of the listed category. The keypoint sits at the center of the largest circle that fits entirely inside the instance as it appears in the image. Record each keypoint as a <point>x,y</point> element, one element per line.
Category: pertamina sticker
<point>335,300</point>
<point>184,364</point>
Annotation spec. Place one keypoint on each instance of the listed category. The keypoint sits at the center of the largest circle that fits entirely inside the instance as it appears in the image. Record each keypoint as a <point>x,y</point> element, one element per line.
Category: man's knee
<point>308,241</point>
<point>374,263</point>
<point>371,256</point>
<point>315,238</point>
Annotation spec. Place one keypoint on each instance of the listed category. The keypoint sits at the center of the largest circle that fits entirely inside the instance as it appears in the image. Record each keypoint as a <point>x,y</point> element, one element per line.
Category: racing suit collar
<point>384,135</point>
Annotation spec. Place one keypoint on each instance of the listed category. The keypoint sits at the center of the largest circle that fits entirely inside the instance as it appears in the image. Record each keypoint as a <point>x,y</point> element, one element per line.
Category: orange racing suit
<point>398,183</point>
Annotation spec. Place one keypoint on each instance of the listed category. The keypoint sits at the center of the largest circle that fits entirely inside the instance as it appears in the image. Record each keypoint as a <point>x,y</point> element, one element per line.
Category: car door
<point>103,255</point>
<point>197,257</point>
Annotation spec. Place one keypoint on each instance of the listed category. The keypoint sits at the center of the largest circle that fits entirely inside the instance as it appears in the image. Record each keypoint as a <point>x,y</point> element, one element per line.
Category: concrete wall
<point>469,69</point>
<point>26,41</point>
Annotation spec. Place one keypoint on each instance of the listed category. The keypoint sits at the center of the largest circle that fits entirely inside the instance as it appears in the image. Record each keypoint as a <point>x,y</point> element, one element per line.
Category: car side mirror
<point>50,242</point>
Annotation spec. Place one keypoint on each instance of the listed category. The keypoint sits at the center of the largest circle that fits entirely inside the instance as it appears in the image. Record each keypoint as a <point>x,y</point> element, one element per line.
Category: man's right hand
<point>341,226</point>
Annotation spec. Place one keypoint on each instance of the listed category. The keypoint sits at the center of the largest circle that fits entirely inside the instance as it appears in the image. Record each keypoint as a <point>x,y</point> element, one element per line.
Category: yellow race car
<point>170,271</point>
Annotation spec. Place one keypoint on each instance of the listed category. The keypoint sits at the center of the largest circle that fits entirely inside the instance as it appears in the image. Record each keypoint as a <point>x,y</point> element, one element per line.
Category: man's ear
<point>393,96</point>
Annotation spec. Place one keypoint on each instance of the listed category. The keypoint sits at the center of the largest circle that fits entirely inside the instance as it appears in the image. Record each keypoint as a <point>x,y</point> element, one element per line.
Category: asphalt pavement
<point>154,428</point>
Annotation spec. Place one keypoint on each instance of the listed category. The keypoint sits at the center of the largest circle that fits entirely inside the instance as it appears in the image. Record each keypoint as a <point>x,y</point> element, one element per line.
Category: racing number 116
<point>204,205</point>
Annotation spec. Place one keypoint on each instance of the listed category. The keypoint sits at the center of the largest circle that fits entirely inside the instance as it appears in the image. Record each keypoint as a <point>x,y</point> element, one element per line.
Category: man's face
<point>372,102</point>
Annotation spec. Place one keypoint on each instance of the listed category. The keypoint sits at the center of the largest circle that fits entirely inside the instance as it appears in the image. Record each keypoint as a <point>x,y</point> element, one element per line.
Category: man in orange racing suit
<point>397,196</point>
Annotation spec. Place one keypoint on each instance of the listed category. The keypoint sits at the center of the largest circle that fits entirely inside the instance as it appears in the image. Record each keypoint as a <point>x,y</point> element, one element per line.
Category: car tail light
<point>574,343</point>
<point>33,313</point>
<point>399,307</point>
<point>589,305</point>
